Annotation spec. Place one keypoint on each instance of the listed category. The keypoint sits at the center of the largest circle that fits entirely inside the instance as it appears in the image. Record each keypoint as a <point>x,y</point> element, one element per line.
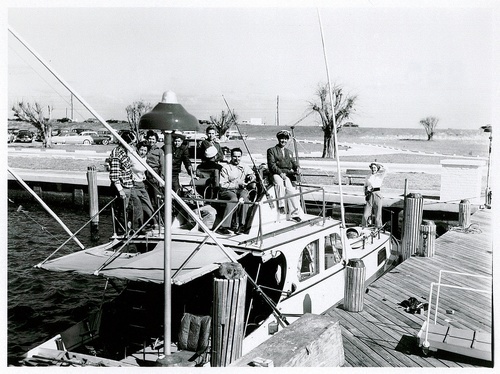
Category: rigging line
<point>78,231</point>
<point>256,171</point>
<point>333,120</point>
<point>21,210</point>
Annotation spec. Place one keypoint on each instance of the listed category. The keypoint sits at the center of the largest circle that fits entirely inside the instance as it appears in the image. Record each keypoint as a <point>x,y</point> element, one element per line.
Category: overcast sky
<point>403,62</point>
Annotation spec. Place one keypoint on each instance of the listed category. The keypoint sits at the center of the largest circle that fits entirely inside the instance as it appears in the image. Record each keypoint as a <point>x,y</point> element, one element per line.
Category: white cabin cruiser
<point>298,268</point>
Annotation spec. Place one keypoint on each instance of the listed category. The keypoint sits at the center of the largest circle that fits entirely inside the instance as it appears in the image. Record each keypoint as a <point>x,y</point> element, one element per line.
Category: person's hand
<point>122,193</point>
<point>196,177</point>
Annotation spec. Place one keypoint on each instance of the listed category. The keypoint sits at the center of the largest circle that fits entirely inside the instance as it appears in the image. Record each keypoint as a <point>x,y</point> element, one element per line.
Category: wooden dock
<point>384,334</point>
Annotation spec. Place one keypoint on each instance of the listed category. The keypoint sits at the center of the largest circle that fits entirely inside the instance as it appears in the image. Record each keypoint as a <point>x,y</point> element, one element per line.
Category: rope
<point>43,228</point>
<point>473,228</point>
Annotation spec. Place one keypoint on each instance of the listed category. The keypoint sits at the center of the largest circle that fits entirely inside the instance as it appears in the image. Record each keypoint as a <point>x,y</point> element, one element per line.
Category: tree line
<point>333,113</point>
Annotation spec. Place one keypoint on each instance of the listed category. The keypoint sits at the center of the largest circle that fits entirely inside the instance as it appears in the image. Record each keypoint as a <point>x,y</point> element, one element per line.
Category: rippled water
<point>40,303</point>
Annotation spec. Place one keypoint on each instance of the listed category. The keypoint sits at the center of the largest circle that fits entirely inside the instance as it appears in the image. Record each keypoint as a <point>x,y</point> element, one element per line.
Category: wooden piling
<point>464,214</point>
<point>93,202</point>
<point>228,314</point>
<point>354,289</point>
<point>414,210</point>
<point>78,197</point>
<point>427,240</point>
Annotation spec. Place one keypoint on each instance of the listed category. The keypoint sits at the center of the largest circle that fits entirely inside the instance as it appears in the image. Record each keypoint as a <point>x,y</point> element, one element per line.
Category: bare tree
<point>33,113</point>
<point>134,113</point>
<point>344,107</point>
<point>429,124</point>
<point>224,121</point>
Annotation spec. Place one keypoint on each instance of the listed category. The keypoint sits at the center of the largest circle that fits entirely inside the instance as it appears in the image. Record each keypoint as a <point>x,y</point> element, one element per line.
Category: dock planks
<point>383,334</point>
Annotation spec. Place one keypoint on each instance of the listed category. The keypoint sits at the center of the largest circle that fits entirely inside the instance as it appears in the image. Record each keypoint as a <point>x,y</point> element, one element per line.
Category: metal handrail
<point>426,343</point>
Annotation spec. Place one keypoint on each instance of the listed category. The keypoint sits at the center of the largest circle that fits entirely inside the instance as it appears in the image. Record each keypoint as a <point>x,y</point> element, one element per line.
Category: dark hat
<point>283,134</point>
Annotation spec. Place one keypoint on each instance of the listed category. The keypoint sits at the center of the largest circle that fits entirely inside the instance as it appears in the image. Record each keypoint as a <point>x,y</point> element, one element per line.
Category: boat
<point>293,268</point>
<point>299,267</point>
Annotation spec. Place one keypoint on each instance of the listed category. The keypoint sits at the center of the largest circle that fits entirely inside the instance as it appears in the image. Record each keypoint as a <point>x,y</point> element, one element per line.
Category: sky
<point>266,59</point>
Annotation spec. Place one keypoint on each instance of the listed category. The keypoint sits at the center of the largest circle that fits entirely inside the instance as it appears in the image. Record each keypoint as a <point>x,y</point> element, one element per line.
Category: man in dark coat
<point>211,141</point>
<point>283,169</point>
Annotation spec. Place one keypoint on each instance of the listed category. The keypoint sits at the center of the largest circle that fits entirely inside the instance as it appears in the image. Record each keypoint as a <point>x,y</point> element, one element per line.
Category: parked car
<point>24,136</point>
<point>194,135</point>
<point>107,133</point>
<point>98,138</point>
<point>10,137</point>
<point>235,135</point>
<point>72,138</point>
<point>79,131</point>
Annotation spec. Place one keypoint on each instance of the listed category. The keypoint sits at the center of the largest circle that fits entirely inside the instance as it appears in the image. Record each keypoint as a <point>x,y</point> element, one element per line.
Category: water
<point>40,303</point>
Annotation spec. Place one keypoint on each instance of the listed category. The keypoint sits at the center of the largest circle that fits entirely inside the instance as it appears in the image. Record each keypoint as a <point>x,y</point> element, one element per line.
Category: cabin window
<point>333,250</point>
<point>382,256</point>
<point>308,261</point>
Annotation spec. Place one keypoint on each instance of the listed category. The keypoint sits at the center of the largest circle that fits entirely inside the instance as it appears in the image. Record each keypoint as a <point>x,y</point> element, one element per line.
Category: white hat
<point>211,152</point>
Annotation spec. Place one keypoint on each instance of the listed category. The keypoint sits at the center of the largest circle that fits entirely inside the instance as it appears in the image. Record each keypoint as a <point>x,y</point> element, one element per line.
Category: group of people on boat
<point>140,192</point>
<point>236,182</point>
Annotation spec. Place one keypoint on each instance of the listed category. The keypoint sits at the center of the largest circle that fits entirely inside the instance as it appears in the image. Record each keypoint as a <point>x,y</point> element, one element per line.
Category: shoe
<point>282,210</point>
<point>242,230</point>
<point>296,219</point>
<point>223,231</point>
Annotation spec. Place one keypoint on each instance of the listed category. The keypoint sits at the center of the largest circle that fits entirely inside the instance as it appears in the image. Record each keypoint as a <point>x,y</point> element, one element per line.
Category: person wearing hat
<point>209,162</point>
<point>283,169</point>
<point>120,175</point>
<point>211,141</point>
<point>373,196</point>
<point>180,156</point>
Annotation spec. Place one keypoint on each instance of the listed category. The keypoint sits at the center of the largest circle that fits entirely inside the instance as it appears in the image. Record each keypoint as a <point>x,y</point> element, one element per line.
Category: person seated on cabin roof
<point>211,141</point>
<point>283,170</point>
<point>139,196</point>
<point>209,170</point>
<point>234,180</point>
<point>373,196</point>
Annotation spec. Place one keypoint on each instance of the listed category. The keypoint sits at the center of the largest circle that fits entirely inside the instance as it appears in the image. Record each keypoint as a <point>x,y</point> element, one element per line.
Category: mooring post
<point>94,202</point>
<point>354,288</point>
<point>78,197</point>
<point>228,316</point>
<point>427,240</point>
<point>464,213</point>
<point>412,218</point>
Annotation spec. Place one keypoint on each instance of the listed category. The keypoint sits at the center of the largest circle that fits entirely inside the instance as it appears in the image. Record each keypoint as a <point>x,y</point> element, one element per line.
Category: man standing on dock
<point>373,196</point>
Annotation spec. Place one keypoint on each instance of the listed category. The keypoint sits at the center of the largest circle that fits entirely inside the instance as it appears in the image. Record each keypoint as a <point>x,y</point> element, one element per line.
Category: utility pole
<point>277,110</point>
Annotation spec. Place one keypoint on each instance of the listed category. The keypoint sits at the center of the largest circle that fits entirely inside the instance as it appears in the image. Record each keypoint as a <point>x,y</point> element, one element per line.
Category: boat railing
<point>439,285</point>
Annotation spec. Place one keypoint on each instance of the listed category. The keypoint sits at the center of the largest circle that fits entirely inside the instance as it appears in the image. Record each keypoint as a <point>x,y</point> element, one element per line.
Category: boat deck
<point>384,334</point>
